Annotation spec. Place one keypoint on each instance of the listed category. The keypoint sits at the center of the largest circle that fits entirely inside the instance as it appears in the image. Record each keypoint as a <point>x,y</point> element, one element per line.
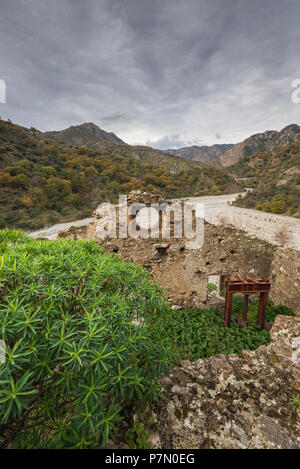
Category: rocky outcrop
<point>146,198</point>
<point>236,401</point>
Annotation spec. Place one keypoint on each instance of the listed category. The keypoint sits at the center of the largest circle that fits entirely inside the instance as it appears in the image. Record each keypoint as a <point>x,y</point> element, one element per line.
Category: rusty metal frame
<point>247,286</point>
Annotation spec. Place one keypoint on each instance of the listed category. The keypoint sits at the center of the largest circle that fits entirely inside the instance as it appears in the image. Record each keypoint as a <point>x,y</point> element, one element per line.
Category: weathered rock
<point>215,301</point>
<point>74,232</point>
<point>236,401</point>
<point>143,197</point>
<point>286,278</point>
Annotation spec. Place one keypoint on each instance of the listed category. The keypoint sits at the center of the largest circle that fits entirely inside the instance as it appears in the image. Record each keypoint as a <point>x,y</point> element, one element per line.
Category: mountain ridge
<point>261,142</point>
<point>204,153</point>
<point>226,155</point>
<point>91,136</point>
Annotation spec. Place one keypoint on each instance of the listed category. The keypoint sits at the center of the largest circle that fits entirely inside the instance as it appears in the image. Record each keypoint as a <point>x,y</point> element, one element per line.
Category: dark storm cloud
<point>162,72</point>
<point>114,117</point>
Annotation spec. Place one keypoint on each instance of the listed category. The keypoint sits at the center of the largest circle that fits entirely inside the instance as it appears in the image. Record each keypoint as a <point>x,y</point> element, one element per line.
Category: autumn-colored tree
<point>27,202</point>
<point>5,179</point>
<point>91,171</point>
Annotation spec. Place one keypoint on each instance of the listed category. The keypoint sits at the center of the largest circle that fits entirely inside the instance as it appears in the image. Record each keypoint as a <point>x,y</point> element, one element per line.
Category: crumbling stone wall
<point>184,273</point>
<point>286,278</point>
<point>226,251</point>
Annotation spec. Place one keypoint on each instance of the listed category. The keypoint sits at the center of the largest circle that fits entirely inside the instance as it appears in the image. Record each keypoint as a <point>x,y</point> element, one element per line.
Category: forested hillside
<point>91,136</point>
<point>275,178</point>
<point>43,181</point>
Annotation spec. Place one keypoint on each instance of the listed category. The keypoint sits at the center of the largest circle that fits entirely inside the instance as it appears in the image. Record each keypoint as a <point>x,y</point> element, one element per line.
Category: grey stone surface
<point>236,401</point>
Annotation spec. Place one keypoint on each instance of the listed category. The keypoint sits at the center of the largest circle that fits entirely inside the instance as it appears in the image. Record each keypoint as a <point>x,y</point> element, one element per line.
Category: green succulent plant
<point>75,358</point>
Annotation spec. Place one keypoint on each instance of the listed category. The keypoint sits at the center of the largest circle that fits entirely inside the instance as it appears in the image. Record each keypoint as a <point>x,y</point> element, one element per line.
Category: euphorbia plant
<point>75,356</point>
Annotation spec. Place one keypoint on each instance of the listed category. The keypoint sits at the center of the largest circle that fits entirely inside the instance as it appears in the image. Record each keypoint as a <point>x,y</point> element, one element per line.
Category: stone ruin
<point>184,274</point>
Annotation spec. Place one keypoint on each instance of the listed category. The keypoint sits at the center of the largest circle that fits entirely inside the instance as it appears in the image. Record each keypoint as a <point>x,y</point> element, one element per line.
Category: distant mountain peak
<point>88,134</point>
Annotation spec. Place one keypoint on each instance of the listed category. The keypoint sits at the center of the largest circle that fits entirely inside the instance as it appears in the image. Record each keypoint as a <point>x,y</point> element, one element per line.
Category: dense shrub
<point>76,354</point>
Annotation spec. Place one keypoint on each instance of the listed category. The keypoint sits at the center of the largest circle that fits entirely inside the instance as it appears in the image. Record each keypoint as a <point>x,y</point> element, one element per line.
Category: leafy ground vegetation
<point>200,333</point>
<point>87,337</point>
<point>44,181</point>
<point>275,178</point>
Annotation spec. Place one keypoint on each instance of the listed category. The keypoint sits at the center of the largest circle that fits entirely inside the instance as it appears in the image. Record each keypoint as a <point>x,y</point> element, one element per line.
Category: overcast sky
<point>167,73</point>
